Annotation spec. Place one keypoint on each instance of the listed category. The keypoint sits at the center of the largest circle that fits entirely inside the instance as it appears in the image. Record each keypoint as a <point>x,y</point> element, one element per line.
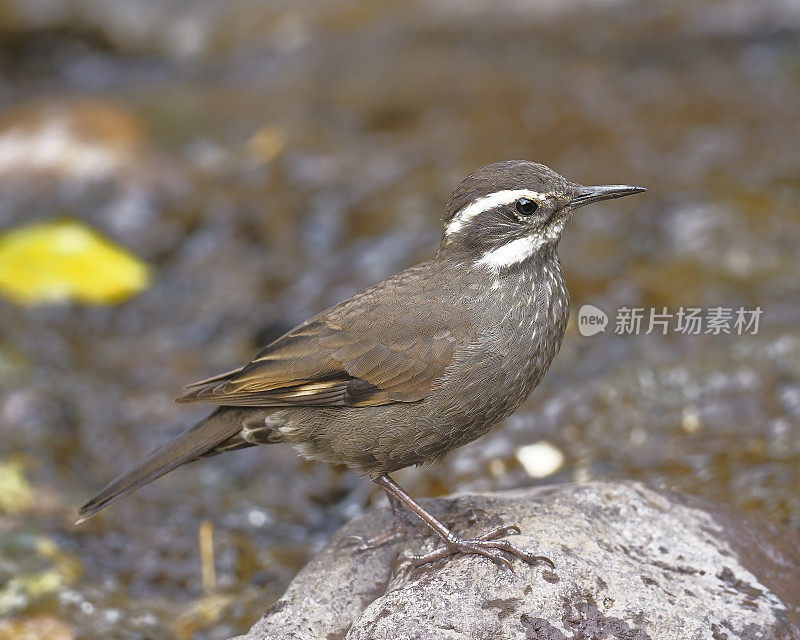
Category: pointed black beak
<point>587,195</point>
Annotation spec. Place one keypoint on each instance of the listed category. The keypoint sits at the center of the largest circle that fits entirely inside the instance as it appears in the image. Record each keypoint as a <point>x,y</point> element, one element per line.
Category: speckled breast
<point>521,325</point>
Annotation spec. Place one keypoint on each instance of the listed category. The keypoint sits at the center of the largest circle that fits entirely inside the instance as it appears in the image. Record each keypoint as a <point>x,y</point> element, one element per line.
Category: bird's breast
<point>523,327</point>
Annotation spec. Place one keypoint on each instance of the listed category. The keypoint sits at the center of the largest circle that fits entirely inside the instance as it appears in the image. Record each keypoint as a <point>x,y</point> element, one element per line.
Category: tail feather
<point>188,446</point>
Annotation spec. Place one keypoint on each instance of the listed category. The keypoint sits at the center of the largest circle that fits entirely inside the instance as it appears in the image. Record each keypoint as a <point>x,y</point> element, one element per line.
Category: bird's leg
<point>486,545</point>
<point>404,525</point>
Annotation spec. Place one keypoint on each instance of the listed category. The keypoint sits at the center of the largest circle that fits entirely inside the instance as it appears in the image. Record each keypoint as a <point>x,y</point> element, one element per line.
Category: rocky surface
<point>632,562</point>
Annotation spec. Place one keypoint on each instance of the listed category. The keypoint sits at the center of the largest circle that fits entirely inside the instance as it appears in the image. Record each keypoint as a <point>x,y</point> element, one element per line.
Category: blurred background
<point>182,181</point>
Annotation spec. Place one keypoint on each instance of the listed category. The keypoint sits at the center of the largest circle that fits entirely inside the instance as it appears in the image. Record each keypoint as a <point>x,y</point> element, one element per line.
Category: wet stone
<point>631,562</point>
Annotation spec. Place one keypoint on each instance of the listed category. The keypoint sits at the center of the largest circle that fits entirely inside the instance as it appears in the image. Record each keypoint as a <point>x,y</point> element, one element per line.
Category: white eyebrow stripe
<point>485,203</point>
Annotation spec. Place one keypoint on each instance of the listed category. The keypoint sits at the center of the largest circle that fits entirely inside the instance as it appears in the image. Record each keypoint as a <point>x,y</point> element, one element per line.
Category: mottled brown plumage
<point>417,365</point>
<point>364,352</point>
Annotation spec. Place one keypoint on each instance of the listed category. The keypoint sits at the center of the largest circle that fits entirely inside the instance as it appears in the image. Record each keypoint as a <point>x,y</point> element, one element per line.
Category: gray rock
<point>632,563</point>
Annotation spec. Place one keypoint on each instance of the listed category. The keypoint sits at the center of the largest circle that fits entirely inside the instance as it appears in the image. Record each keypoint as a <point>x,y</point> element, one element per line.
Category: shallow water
<point>268,162</point>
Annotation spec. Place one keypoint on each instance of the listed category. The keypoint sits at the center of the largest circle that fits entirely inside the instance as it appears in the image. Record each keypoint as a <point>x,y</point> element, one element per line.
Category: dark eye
<point>526,207</point>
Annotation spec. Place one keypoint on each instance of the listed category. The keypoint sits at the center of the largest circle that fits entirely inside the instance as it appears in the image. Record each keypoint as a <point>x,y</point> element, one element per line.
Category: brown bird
<point>417,365</point>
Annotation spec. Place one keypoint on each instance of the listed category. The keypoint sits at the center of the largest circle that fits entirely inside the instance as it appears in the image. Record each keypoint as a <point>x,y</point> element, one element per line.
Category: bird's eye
<point>526,207</point>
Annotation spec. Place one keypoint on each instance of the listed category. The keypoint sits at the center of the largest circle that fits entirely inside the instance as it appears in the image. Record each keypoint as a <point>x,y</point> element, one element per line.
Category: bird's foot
<point>403,528</point>
<point>487,545</point>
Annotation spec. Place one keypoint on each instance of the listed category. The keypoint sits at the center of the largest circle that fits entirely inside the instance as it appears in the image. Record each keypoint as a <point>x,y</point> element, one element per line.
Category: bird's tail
<point>188,446</point>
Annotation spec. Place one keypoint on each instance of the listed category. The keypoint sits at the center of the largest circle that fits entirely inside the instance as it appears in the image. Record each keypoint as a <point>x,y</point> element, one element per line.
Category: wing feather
<point>387,344</point>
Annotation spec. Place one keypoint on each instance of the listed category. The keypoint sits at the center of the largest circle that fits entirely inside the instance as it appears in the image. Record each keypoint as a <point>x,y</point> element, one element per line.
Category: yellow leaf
<point>66,260</point>
<point>15,492</point>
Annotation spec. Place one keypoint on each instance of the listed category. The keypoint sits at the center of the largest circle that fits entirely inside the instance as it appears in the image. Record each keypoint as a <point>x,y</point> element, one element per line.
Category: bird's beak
<point>587,195</point>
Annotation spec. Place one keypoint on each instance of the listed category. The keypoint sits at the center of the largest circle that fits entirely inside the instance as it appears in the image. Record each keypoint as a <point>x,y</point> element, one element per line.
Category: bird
<point>413,367</point>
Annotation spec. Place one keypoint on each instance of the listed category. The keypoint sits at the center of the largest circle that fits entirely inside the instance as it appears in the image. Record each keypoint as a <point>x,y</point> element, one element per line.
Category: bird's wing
<point>387,344</point>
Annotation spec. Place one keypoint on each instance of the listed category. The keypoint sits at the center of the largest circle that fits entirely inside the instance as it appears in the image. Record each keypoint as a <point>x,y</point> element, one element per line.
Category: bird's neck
<point>535,281</point>
<point>543,261</point>
<point>501,255</point>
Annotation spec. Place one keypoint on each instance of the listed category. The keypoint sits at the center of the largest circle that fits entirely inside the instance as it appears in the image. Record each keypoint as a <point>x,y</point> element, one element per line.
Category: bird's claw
<point>350,539</point>
<point>486,545</point>
<point>366,544</point>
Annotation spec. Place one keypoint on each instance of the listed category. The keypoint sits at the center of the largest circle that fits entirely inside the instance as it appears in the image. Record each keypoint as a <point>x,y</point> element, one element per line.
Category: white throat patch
<point>520,249</point>
<point>487,202</point>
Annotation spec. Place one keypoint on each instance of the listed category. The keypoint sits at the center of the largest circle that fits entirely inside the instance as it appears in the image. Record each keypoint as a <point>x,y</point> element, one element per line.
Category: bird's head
<point>504,213</point>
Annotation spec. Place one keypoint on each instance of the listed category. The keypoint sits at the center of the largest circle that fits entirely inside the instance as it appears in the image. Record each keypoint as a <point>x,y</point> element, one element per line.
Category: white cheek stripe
<point>520,249</point>
<point>496,199</point>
